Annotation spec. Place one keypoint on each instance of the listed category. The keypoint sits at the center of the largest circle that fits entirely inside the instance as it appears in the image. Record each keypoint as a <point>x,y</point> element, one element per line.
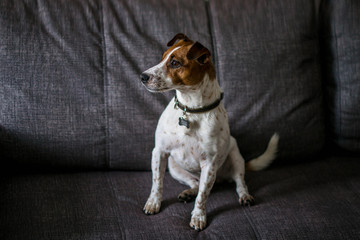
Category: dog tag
<point>184,122</point>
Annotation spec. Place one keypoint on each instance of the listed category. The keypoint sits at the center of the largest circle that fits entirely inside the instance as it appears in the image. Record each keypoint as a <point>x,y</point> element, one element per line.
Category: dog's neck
<point>203,94</point>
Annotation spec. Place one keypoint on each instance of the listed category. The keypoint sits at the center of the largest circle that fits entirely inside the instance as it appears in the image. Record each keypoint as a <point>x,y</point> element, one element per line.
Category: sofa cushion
<point>341,51</point>
<point>70,93</point>
<point>318,200</point>
<point>51,84</point>
<point>268,65</point>
<point>136,34</point>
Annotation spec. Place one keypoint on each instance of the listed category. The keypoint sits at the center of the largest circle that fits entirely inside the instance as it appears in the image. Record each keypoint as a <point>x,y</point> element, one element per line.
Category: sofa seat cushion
<point>317,200</point>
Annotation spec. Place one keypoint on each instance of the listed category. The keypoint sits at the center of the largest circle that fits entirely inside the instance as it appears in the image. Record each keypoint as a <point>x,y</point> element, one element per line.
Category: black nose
<point>144,77</point>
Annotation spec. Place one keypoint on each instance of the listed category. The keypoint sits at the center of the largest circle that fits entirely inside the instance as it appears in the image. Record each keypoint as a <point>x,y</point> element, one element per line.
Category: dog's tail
<point>266,158</point>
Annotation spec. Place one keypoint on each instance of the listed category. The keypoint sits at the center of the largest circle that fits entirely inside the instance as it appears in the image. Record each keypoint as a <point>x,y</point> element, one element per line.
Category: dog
<point>193,133</point>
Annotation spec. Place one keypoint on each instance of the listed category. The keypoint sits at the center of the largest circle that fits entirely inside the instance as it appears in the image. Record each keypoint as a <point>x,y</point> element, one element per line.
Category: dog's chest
<point>187,153</point>
<point>187,147</point>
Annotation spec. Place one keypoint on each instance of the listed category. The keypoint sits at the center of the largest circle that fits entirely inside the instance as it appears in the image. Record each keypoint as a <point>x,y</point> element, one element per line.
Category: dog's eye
<point>174,63</point>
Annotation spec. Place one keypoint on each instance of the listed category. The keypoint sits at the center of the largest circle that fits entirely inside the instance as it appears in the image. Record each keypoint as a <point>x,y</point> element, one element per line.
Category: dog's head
<point>183,65</point>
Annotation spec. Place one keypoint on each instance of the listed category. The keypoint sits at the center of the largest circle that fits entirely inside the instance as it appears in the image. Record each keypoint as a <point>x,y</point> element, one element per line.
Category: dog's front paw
<point>152,206</point>
<point>246,200</point>
<point>198,221</point>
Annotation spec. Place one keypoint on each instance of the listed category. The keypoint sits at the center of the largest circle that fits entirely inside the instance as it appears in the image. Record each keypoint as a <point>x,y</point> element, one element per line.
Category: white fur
<point>159,81</point>
<point>201,154</point>
<point>267,157</point>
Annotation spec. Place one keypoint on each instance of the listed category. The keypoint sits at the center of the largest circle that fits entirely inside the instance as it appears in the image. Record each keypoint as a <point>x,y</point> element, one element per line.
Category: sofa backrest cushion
<point>135,37</point>
<point>51,84</point>
<point>341,49</point>
<point>268,63</point>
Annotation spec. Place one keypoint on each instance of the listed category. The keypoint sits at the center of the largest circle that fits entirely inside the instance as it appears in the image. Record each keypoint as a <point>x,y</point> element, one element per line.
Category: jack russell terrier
<point>193,132</point>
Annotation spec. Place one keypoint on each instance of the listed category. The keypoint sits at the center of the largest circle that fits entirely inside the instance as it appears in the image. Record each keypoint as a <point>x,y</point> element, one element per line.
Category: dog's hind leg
<point>184,177</point>
<point>237,174</point>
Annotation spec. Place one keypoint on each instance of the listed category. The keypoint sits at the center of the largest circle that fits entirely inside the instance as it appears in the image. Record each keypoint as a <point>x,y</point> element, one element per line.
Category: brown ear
<point>198,52</point>
<point>179,36</point>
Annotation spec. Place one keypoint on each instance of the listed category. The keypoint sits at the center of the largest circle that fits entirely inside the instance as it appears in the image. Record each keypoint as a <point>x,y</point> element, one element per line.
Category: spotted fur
<point>205,152</point>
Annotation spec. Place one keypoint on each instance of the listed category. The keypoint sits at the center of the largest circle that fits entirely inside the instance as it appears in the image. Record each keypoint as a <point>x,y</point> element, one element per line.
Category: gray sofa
<point>77,128</point>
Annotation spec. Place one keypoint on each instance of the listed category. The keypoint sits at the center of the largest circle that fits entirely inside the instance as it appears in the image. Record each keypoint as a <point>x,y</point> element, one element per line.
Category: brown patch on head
<point>188,64</point>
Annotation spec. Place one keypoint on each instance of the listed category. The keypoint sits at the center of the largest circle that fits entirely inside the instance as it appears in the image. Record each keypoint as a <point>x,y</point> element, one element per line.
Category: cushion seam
<point>253,228</point>
<point>105,84</point>
<point>212,37</point>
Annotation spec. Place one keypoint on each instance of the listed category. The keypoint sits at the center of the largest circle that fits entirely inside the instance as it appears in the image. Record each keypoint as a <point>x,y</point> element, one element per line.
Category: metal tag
<point>184,122</point>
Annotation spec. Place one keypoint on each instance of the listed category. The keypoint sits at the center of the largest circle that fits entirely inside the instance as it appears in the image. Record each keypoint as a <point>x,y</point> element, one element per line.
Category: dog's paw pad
<point>246,200</point>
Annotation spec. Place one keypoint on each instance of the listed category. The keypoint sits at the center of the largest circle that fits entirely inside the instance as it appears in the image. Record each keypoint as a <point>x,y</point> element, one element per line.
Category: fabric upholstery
<point>268,64</point>
<point>51,84</point>
<point>136,34</point>
<point>317,200</point>
<point>70,91</point>
<point>341,56</point>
